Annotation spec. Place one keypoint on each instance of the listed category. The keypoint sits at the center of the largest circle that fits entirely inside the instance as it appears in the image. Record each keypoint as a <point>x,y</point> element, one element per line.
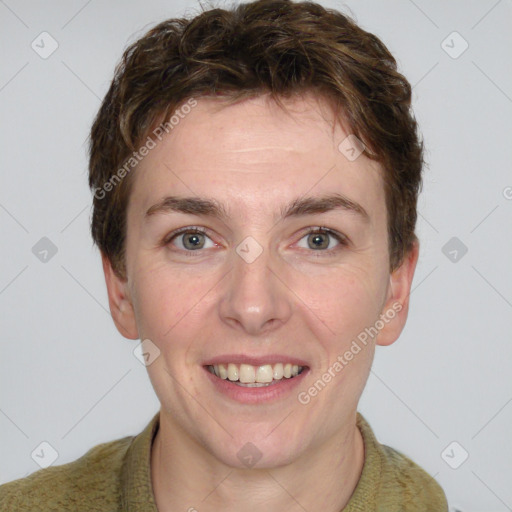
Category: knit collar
<point>364,497</point>
<point>137,491</point>
<point>136,488</point>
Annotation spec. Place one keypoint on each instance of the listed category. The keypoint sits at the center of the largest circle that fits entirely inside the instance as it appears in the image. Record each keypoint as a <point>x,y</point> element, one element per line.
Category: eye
<point>193,238</point>
<point>190,239</point>
<point>318,239</point>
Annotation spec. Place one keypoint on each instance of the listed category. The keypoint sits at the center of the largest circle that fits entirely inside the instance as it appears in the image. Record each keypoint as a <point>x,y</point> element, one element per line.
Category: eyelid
<point>186,229</point>
<point>341,238</point>
<point>322,229</point>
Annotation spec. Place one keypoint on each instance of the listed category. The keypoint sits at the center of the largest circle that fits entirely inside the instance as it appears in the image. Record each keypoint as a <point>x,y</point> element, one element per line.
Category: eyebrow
<point>300,206</point>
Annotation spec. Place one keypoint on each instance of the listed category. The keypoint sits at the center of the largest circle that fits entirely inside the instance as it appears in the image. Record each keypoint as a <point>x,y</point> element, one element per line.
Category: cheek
<point>163,301</point>
<point>350,307</point>
<point>347,299</point>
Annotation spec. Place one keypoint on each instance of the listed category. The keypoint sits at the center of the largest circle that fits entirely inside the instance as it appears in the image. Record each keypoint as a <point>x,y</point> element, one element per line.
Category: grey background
<point>67,377</point>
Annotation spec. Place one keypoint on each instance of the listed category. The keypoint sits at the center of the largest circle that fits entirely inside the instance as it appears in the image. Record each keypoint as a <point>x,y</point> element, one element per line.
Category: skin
<point>294,299</point>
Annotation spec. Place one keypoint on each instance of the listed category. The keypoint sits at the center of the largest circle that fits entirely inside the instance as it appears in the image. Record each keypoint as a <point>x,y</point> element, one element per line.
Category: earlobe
<point>396,308</point>
<point>119,300</point>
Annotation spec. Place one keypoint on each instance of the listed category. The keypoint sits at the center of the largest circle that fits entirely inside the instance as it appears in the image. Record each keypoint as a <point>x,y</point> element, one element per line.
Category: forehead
<point>253,152</point>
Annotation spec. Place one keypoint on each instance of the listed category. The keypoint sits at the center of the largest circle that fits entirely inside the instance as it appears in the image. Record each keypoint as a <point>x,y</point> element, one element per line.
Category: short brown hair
<point>274,47</point>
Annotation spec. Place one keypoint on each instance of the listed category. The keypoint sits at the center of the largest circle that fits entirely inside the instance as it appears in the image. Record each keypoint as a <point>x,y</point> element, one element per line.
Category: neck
<point>187,477</point>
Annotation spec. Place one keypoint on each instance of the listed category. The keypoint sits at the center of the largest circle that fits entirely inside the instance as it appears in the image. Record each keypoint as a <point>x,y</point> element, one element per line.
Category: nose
<point>255,298</point>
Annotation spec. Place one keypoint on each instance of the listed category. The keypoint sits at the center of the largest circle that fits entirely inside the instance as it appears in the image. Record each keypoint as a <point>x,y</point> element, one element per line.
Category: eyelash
<point>343,241</point>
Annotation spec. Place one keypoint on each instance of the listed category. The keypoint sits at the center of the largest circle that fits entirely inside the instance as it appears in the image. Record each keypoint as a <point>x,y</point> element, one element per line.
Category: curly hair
<point>275,47</point>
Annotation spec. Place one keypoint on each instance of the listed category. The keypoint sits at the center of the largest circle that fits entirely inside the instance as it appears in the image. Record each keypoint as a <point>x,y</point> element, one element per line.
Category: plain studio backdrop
<point>442,394</point>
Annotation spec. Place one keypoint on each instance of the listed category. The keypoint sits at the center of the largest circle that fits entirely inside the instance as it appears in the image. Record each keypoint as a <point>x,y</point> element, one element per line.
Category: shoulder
<point>419,491</point>
<point>91,483</point>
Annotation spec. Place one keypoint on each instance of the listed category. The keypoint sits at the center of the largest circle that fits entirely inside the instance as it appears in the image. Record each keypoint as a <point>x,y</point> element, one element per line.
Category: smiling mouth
<point>250,376</point>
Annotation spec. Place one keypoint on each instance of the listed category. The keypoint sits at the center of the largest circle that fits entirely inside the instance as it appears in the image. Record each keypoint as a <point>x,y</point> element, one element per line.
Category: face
<point>257,283</point>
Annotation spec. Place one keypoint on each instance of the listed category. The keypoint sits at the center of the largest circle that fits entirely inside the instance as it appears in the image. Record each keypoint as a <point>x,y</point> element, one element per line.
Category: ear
<point>119,300</point>
<point>395,311</point>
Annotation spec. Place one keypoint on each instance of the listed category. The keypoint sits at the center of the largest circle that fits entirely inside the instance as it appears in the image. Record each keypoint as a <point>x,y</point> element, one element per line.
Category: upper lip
<point>254,360</point>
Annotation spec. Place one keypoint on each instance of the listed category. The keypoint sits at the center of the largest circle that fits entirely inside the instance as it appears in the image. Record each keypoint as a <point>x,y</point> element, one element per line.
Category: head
<point>261,122</point>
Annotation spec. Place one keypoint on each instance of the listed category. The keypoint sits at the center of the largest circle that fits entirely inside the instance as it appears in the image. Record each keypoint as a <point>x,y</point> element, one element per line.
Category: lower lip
<point>263,394</point>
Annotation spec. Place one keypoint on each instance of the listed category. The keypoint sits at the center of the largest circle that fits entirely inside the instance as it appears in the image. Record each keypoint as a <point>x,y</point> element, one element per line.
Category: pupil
<point>194,240</point>
<point>317,240</point>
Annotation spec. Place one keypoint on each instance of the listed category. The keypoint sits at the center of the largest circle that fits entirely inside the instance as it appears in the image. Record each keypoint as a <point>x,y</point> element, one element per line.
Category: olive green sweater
<point>116,476</point>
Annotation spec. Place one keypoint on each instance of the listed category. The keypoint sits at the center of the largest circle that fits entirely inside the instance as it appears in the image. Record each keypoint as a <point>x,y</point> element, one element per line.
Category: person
<point>255,174</point>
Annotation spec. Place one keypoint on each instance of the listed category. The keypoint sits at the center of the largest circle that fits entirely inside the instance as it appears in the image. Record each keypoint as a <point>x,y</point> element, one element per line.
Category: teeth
<point>233,372</point>
<point>278,371</point>
<point>222,371</point>
<point>248,374</point>
<point>264,374</point>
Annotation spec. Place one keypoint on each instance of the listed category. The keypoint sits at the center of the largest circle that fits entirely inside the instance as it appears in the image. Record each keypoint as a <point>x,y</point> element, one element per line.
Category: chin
<point>248,452</point>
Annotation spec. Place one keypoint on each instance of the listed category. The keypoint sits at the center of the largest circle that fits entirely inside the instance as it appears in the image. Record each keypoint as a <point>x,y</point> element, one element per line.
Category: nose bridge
<point>255,298</point>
